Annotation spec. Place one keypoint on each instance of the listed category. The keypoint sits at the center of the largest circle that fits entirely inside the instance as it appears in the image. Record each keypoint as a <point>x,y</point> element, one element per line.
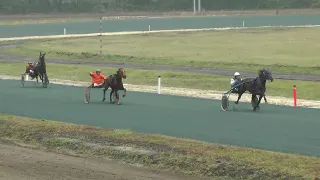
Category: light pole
<point>195,6</point>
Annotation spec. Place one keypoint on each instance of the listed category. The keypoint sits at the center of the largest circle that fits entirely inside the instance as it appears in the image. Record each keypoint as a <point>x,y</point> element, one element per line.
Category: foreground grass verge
<point>158,151</point>
<point>309,90</point>
<point>245,49</point>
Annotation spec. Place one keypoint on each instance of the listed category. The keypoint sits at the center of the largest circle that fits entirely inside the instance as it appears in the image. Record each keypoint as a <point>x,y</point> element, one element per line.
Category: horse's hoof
<point>103,99</point>
<point>255,109</point>
<point>117,101</point>
<point>236,102</point>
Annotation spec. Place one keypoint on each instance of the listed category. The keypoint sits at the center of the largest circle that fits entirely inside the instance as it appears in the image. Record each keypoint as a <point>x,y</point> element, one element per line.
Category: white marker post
<point>149,27</point>
<point>159,84</point>
<point>27,77</point>
<point>242,23</point>
<point>64,31</point>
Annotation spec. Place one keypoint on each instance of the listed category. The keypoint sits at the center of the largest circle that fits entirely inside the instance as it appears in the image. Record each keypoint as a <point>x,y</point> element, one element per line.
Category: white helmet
<point>236,74</point>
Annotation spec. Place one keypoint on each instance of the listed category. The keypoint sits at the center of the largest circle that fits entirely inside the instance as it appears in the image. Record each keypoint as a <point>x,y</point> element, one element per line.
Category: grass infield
<point>284,50</point>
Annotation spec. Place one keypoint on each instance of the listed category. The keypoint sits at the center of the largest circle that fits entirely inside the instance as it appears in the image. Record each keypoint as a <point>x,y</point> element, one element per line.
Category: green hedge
<point>31,6</point>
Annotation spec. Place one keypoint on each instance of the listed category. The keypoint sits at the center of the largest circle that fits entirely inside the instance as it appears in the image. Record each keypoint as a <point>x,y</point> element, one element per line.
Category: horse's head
<point>122,73</point>
<point>41,58</point>
<point>266,74</point>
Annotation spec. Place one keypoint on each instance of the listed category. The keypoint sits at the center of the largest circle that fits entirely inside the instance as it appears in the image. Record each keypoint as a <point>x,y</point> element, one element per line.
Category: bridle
<point>121,72</point>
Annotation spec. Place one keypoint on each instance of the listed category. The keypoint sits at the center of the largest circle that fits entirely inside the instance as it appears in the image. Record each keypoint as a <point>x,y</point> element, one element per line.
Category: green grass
<point>169,153</point>
<point>284,50</point>
<point>169,79</point>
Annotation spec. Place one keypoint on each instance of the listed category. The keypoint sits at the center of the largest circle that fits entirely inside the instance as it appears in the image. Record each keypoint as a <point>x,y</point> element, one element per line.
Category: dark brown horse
<point>255,86</point>
<point>41,70</point>
<point>115,83</point>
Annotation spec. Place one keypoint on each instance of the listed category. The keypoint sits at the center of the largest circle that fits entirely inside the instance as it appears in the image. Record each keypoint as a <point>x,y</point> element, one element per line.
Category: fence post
<point>294,95</point>
<point>64,31</point>
<point>100,36</point>
<point>159,84</point>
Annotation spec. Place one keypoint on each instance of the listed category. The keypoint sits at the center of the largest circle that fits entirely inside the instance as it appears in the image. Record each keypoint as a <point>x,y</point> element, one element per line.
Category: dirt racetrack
<point>21,163</point>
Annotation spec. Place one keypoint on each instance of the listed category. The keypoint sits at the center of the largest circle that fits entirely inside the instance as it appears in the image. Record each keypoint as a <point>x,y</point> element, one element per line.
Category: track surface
<point>277,128</point>
<point>157,24</point>
<point>11,58</point>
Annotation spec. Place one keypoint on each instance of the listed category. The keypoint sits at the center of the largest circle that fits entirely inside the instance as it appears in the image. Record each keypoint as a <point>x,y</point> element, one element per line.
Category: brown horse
<point>115,83</point>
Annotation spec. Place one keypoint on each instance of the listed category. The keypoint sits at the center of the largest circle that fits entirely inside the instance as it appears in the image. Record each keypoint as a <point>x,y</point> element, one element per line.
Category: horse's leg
<point>239,96</point>
<point>264,95</point>
<point>265,99</point>
<point>104,94</point>
<point>253,96</point>
<point>106,86</point>
<point>37,79</point>
<point>117,96</point>
<point>124,92</point>
<point>122,88</point>
<point>257,105</point>
<point>40,76</point>
<point>112,91</point>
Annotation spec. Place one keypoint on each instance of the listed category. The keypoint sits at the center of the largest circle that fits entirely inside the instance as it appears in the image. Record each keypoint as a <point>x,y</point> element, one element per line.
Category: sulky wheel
<point>224,102</point>
<point>87,95</point>
<point>22,80</point>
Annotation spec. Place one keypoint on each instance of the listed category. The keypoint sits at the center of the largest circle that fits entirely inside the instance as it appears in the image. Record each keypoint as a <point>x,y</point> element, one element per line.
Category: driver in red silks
<point>30,69</point>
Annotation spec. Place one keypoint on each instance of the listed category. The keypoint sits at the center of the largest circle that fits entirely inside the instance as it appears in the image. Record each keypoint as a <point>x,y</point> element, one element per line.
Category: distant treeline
<point>37,6</point>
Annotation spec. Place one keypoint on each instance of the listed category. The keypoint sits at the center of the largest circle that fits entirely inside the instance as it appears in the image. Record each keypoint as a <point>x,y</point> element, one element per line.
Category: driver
<point>97,79</point>
<point>30,69</point>
<point>236,80</point>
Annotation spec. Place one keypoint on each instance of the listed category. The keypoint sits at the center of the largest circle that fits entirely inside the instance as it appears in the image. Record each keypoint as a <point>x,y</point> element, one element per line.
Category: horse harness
<point>113,78</point>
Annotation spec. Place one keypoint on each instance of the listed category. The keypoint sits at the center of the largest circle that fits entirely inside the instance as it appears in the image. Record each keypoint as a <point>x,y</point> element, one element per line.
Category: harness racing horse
<point>256,86</point>
<point>115,83</point>
<point>40,70</point>
<point>263,81</point>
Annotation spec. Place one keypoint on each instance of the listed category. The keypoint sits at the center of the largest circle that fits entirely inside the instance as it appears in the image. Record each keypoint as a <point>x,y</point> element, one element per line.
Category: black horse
<point>263,81</point>
<point>256,86</point>
<point>41,70</point>
<point>115,83</point>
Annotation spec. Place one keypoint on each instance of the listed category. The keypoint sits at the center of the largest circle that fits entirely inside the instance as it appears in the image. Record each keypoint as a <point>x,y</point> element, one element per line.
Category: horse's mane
<point>41,65</point>
<point>41,59</point>
<point>246,80</point>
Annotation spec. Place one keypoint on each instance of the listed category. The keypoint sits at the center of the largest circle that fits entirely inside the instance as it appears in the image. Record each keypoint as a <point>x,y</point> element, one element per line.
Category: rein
<point>242,84</point>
